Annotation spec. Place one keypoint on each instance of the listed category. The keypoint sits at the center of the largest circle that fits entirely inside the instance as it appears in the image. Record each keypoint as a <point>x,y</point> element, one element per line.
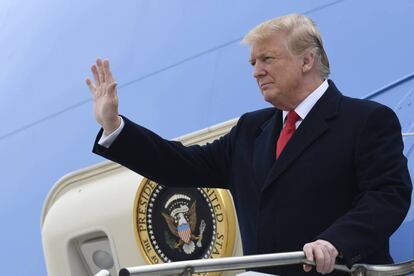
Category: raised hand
<point>105,98</point>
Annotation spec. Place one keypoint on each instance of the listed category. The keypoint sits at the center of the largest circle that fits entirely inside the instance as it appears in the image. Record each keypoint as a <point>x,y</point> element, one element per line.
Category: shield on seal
<point>184,232</point>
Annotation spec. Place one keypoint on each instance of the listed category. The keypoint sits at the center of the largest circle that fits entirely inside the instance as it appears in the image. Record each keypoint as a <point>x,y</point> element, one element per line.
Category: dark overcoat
<point>342,177</point>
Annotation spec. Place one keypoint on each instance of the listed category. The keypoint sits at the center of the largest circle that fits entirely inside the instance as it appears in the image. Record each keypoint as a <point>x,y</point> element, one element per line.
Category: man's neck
<point>308,86</point>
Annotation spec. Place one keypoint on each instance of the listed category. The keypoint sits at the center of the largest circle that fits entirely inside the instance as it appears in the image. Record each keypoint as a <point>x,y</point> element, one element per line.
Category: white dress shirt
<point>308,103</point>
<point>107,140</point>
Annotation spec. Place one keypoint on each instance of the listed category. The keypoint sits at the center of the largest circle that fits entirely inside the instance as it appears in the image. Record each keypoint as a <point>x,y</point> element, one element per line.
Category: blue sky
<point>178,59</point>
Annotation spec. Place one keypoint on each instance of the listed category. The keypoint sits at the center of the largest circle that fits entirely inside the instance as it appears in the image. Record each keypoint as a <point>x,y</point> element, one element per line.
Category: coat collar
<point>266,168</point>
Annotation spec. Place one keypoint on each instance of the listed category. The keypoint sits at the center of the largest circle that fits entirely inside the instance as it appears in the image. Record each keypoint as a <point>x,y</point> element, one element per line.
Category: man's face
<point>277,71</point>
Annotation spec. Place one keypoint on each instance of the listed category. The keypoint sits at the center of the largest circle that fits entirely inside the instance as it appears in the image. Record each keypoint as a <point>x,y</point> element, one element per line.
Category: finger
<point>333,253</point>
<point>90,85</point>
<point>307,249</point>
<point>107,71</point>
<point>112,89</point>
<point>319,258</point>
<point>94,70</point>
<point>328,260</point>
<point>307,268</point>
<point>100,70</point>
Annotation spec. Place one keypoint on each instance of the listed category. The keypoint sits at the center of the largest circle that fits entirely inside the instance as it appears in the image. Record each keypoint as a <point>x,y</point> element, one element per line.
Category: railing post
<point>188,272</point>
<point>103,273</point>
<point>360,271</point>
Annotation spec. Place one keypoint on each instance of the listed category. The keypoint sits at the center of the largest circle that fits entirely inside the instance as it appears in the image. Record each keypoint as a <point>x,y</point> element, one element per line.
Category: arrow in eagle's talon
<point>202,228</point>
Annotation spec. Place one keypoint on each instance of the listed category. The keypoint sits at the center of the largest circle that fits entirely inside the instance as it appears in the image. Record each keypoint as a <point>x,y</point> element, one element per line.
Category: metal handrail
<point>218,264</point>
<point>383,270</point>
<point>254,261</point>
<point>404,134</point>
<point>103,272</point>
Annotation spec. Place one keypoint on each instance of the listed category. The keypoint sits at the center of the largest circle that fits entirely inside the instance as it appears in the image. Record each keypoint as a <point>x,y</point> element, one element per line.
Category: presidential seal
<point>177,224</point>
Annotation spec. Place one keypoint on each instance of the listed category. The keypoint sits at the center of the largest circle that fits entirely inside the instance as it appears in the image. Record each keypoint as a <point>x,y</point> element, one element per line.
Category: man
<point>318,171</point>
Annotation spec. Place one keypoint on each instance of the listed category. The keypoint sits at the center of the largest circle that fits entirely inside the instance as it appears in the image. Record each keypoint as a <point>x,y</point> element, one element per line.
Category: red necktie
<point>287,132</point>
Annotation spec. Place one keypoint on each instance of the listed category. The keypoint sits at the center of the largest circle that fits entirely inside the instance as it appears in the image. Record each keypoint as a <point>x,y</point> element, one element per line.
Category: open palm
<point>105,98</point>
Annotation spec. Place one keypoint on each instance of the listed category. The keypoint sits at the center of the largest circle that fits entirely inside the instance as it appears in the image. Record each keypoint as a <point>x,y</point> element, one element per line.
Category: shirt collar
<point>306,105</point>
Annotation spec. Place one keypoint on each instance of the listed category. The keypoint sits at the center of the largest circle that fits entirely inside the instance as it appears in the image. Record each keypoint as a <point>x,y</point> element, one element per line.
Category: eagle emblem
<point>182,223</point>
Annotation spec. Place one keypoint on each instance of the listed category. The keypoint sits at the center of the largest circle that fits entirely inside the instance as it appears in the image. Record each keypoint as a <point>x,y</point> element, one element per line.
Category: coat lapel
<point>265,147</point>
<point>314,125</point>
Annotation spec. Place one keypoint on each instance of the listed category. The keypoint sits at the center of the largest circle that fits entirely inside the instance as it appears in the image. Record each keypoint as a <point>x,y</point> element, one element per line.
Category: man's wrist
<point>112,126</point>
<point>107,140</point>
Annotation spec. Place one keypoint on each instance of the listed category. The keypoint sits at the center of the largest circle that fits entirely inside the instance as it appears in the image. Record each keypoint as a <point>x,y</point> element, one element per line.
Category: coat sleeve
<point>384,190</point>
<point>170,163</point>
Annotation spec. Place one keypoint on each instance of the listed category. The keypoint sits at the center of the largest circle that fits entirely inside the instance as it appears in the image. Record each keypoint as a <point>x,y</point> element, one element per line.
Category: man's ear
<point>308,61</point>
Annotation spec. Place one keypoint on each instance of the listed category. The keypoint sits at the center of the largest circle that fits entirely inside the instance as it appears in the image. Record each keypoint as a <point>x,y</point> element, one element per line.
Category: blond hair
<point>302,33</point>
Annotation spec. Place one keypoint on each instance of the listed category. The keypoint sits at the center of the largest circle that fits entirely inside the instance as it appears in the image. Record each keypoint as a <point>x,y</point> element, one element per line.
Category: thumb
<point>307,268</point>
<point>90,84</point>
